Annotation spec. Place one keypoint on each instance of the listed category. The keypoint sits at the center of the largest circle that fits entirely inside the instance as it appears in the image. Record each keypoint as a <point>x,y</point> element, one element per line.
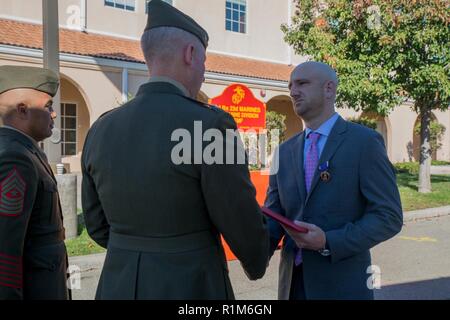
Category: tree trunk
<point>425,150</point>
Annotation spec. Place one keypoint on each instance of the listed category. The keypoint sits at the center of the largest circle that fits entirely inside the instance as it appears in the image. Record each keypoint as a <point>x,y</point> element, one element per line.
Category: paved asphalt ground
<point>414,265</point>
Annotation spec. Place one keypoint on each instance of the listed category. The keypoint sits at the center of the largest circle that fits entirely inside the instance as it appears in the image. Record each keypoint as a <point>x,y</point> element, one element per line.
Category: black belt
<point>175,244</point>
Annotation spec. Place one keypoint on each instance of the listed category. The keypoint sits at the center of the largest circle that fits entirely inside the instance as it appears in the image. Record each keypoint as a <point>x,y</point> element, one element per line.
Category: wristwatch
<point>325,251</point>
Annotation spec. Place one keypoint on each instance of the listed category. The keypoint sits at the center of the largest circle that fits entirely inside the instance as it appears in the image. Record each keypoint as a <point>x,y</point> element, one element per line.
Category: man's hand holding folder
<point>305,235</point>
<point>285,222</point>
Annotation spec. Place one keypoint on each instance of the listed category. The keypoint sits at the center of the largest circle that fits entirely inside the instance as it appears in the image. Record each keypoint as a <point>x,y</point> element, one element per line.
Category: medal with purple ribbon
<point>325,175</point>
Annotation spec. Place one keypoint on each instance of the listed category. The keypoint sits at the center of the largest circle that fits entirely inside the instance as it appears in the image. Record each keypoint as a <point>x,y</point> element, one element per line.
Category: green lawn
<point>407,182</point>
<point>83,244</point>
<point>413,200</point>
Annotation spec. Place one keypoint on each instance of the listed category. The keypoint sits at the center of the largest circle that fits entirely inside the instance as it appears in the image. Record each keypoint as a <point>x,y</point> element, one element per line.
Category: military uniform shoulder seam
<point>107,112</point>
<point>18,152</point>
<point>203,104</point>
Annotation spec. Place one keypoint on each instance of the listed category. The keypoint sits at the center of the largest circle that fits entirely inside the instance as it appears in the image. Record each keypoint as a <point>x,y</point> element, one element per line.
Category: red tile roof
<point>28,35</point>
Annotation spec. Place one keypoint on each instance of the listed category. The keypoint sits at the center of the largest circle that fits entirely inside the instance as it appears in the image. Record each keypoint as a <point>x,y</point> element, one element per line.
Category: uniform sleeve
<point>18,188</point>
<point>94,216</point>
<point>231,201</point>
<point>383,217</point>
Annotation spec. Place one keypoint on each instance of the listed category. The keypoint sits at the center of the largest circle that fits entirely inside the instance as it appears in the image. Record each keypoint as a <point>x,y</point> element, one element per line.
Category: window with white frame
<point>147,1</point>
<point>236,15</point>
<point>129,5</point>
<point>68,129</point>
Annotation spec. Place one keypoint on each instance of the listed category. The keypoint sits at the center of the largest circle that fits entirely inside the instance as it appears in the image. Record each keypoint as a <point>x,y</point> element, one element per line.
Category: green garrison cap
<point>162,14</point>
<point>19,77</point>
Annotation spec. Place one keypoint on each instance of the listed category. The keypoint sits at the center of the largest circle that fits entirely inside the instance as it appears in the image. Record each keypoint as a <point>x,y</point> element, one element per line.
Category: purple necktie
<point>312,160</point>
<point>311,163</point>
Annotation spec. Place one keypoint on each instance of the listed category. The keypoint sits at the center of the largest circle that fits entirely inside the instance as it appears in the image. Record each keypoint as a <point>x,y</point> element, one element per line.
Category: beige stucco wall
<point>402,119</point>
<point>70,94</point>
<point>32,10</point>
<point>444,118</point>
<point>25,9</point>
<point>101,91</point>
<point>263,39</point>
<point>283,105</point>
<point>400,138</point>
<point>102,87</point>
<point>112,20</point>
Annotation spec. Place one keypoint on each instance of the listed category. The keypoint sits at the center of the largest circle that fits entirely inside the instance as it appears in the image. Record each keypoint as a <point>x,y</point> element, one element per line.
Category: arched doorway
<point>416,141</point>
<point>75,123</point>
<point>283,104</point>
<point>383,128</point>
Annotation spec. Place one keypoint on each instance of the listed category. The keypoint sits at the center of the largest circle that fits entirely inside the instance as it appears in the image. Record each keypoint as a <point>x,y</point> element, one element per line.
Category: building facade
<point>102,64</point>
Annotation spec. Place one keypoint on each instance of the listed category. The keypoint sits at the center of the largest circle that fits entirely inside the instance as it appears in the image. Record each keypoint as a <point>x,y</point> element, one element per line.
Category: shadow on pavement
<point>433,289</point>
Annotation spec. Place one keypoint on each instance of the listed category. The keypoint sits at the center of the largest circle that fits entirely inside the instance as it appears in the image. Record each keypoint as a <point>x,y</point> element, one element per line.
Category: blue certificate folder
<point>283,220</point>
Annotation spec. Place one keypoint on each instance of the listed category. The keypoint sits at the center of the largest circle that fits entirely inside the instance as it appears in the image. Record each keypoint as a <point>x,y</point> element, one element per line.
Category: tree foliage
<point>437,131</point>
<point>368,122</point>
<point>384,51</point>
<point>275,120</point>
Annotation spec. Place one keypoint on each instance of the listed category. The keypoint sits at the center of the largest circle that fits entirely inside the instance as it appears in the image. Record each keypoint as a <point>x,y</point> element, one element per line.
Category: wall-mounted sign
<point>239,101</point>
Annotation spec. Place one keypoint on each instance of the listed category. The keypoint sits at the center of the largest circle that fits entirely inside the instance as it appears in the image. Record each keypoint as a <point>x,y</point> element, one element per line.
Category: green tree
<point>276,121</point>
<point>276,132</point>
<point>385,52</point>
<point>370,123</point>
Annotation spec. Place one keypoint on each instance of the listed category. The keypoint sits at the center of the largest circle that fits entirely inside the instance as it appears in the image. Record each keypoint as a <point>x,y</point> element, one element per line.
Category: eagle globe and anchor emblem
<point>239,95</point>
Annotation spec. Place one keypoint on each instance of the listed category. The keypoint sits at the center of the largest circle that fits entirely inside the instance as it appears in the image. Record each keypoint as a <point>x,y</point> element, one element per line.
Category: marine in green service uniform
<point>33,258</point>
<point>161,221</point>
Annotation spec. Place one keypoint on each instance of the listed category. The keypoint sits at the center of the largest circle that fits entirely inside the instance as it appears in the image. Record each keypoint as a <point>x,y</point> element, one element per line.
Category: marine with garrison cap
<point>160,221</point>
<point>33,258</point>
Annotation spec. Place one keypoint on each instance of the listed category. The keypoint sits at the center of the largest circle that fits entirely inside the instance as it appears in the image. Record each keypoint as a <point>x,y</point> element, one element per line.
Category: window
<point>129,5</point>
<point>147,1</point>
<point>68,129</point>
<point>236,15</point>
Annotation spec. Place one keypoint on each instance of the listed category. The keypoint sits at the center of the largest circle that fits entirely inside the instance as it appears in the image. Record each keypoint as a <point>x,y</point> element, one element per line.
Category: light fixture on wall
<point>262,93</point>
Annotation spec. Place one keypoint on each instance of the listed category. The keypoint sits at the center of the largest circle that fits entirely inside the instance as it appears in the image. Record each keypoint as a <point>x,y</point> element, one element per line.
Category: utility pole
<point>50,23</point>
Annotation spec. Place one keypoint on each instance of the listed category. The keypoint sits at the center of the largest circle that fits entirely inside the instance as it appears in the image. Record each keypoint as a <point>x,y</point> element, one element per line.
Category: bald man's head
<point>313,87</point>
<point>319,70</point>
<point>28,110</point>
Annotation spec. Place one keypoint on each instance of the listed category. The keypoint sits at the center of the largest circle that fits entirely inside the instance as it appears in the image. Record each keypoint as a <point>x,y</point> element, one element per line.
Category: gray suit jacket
<point>358,208</point>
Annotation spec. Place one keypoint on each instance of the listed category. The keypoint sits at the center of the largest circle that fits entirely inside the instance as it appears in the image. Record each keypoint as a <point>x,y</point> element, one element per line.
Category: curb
<point>410,216</point>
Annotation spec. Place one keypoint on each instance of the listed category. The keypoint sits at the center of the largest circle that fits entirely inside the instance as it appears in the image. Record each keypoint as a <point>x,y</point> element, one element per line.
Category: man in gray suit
<point>334,179</point>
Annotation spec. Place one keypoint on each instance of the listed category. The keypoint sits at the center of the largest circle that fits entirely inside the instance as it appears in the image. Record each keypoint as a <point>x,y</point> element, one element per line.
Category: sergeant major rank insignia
<point>12,194</point>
